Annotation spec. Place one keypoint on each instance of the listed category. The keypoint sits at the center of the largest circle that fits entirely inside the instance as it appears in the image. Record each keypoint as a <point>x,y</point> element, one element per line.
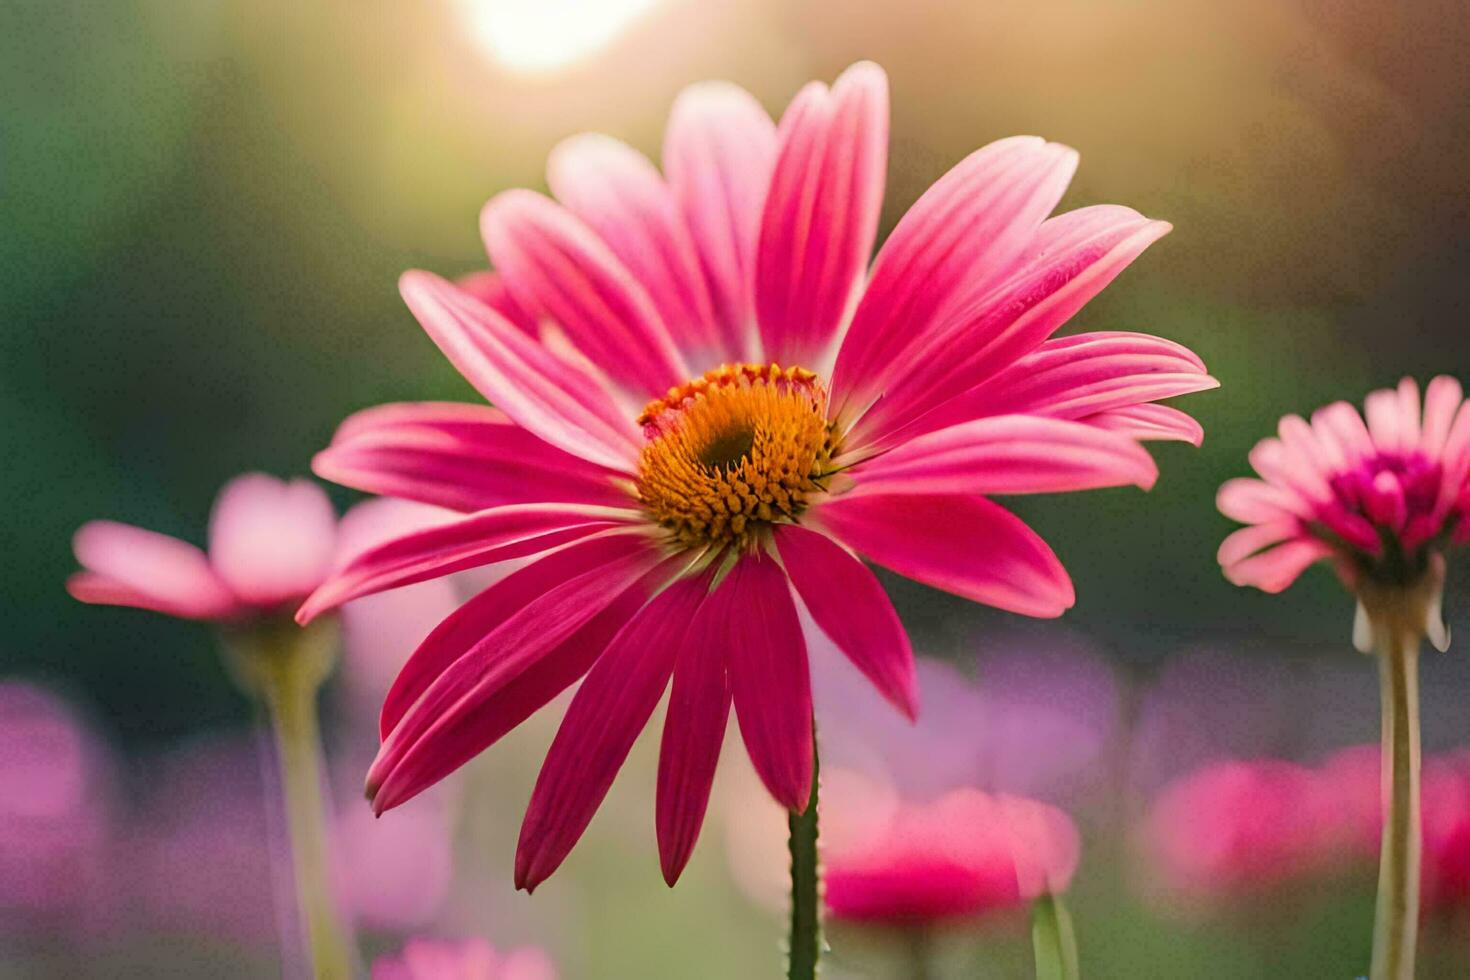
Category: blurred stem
<point>285,667</point>
<point>920,947</point>
<point>805,942</point>
<point>1396,924</point>
<point>1054,940</point>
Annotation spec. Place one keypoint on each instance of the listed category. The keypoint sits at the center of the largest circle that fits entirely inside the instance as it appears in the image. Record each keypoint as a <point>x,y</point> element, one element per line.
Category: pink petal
<point>963,544</point>
<point>719,151</point>
<point>1256,501</point>
<point>553,261</point>
<point>1071,259</point>
<point>1008,454</point>
<point>1146,422</point>
<point>460,456</point>
<point>619,194</point>
<point>1340,425</point>
<point>848,603</point>
<point>146,570</point>
<point>494,650</point>
<point>269,541</point>
<point>541,392</point>
<point>1275,569</point>
<point>694,730</point>
<point>610,709</point>
<point>489,288</point>
<point>1283,467</point>
<point>1078,376</point>
<point>1442,399</point>
<point>479,539</point>
<point>466,733</point>
<point>961,237</point>
<point>1247,541</point>
<point>821,213</point>
<point>769,679</point>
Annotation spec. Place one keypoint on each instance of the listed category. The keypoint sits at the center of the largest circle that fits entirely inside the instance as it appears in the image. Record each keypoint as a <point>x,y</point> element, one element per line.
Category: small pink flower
<point>270,544</point>
<point>1380,499</point>
<point>470,959</point>
<point>952,858</point>
<point>1237,826</point>
<point>708,405</point>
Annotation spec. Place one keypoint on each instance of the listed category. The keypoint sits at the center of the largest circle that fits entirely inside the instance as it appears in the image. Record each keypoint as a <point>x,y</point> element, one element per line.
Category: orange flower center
<point>742,447</point>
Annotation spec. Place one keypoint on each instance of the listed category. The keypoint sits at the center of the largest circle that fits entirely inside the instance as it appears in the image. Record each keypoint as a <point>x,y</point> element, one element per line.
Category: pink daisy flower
<point>1381,499</point>
<point>707,407</point>
<point>270,544</point>
<point>953,858</point>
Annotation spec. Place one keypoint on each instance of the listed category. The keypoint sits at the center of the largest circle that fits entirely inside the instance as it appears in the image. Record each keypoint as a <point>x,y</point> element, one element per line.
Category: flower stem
<point>804,948</point>
<point>920,947</point>
<point>285,668</point>
<point>1053,939</point>
<point>1396,925</point>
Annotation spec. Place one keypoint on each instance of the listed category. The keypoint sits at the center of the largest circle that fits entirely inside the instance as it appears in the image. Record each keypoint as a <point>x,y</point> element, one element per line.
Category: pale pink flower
<point>1381,498</point>
<point>707,406</point>
<point>469,959</point>
<point>1234,827</point>
<point>270,544</point>
<point>952,858</point>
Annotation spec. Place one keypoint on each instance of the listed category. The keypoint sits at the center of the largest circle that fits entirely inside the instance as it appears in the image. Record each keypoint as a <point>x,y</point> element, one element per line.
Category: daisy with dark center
<point>707,407</point>
<point>1384,500</point>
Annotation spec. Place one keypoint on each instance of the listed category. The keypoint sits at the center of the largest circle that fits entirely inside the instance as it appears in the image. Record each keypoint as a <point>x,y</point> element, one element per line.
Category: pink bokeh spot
<point>467,959</point>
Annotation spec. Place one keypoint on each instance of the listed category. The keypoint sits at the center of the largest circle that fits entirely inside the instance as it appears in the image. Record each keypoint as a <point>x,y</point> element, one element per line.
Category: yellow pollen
<point>741,447</point>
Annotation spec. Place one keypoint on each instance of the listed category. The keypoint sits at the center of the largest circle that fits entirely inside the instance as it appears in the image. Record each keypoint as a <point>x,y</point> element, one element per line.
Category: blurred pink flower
<point>56,846</point>
<point>1380,499</point>
<point>796,411</point>
<point>1354,776</point>
<point>395,873</point>
<point>955,857</point>
<point>1237,826</point>
<point>270,544</point>
<point>469,959</point>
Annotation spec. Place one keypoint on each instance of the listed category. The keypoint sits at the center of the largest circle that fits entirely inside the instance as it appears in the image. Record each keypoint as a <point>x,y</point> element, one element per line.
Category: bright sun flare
<point>541,35</point>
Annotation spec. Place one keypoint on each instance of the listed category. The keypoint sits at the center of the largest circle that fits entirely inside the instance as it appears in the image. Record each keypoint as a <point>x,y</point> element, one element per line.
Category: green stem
<point>805,943</point>
<point>1054,940</point>
<point>920,947</point>
<point>1396,925</point>
<point>285,667</point>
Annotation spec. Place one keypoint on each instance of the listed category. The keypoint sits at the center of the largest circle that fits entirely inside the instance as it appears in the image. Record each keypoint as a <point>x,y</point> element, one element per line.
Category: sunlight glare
<point>543,35</point>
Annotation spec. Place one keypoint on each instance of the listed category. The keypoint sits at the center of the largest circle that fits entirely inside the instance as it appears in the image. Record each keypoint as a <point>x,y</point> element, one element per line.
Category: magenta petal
<point>618,193</point>
<point>694,730</point>
<point>1079,376</point>
<point>494,651</point>
<point>552,261</point>
<point>718,154</point>
<point>961,237</point>
<point>271,541</point>
<point>769,678</point>
<point>1149,422</point>
<point>128,566</point>
<point>460,456</point>
<point>489,288</point>
<point>847,602</point>
<point>821,213</point>
<point>483,538</point>
<point>1071,259</point>
<point>610,709</point>
<point>963,544</point>
<point>1008,454</point>
<point>546,395</point>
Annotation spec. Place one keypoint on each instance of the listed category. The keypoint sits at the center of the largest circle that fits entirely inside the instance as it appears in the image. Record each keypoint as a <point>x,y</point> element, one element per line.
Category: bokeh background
<point>206,205</point>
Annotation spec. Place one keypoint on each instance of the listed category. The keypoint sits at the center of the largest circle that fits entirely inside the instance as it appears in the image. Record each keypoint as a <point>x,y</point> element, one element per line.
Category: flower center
<point>743,446</point>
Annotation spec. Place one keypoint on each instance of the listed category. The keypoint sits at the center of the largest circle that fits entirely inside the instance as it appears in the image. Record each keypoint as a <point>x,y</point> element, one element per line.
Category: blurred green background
<point>207,204</point>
